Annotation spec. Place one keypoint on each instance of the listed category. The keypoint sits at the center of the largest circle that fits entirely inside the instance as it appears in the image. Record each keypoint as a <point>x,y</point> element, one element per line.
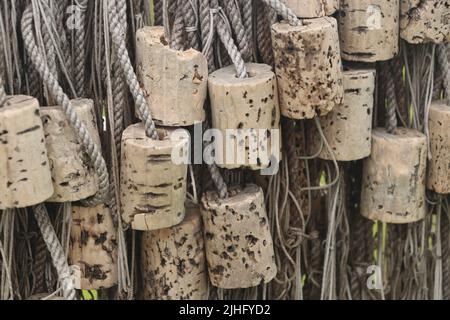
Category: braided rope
<point>62,99</point>
<point>127,68</point>
<point>391,123</point>
<point>232,10</point>
<point>56,251</point>
<point>442,52</point>
<point>80,41</point>
<point>284,11</point>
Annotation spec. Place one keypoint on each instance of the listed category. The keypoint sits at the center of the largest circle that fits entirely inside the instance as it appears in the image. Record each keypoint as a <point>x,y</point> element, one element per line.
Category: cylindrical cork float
<point>153,185</point>
<point>348,127</point>
<point>439,134</point>
<point>73,176</point>
<point>173,262</point>
<point>239,247</point>
<point>175,82</point>
<point>393,189</point>
<point>425,21</point>
<point>369,29</point>
<point>93,247</point>
<point>245,111</point>
<point>25,176</point>
<point>308,67</point>
<point>312,8</point>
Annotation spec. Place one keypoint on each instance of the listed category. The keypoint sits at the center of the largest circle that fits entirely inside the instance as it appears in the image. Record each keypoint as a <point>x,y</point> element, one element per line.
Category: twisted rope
<point>56,252</point>
<point>118,88</point>
<point>284,11</point>
<point>127,68</point>
<point>61,98</point>
<point>39,265</point>
<point>445,247</point>
<point>224,32</point>
<point>158,10</point>
<point>190,16</point>
<point>216,176</point>
<point>442,52</point>
<point>80,48</point>
<point>232,10</point>
<point>263,35</point>
<point>177,35</point>
<point>247,19</point>
<point>2,93</point>
<point>208,28</point>
<point>391,123</point>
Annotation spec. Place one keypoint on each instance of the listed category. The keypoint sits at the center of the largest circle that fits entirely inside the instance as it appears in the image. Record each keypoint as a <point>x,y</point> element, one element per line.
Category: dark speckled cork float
<point>239,246</point>
<point>308,67</point>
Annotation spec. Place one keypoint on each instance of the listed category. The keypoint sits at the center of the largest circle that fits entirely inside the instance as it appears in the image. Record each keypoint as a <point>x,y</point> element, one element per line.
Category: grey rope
<point>208,28</point>
<point>191,22</point>
<point>158,10</point>
<point>2,93</point>
<point>284,11</point>
<point>56,252</point>
<point>391,121</point>
<point>177,35</point>
<point>127,69</point>
<point>247,19</point>
<point>80,40</point>
<point>223,30</point>
<point>216,176</point>
<point>232,10</point>
<point>118,87</point>
<point>445,64</point>
<point>263,35</point>
<point>62,99</point>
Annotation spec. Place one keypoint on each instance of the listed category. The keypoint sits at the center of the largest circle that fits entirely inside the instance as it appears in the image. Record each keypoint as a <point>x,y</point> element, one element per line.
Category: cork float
<point>25,176</point>
<point>175,82</point>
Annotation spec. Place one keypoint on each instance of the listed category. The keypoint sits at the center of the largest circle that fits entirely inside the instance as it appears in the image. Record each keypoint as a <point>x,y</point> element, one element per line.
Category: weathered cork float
<point>439,135</point>
<point>393,189</point>
<point>348,127</point>
<point>73,176</point>
<point>93,247</point>
<point>25,176</point>
<point>239,247</point>
<point>369,29</point>
<point>249,104</point>
<point>308,67</point>
<point>175,82</point>
<point>173,262</point>
<point>312,8</point>
<point>153,187</point>
<point>425,21</point>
